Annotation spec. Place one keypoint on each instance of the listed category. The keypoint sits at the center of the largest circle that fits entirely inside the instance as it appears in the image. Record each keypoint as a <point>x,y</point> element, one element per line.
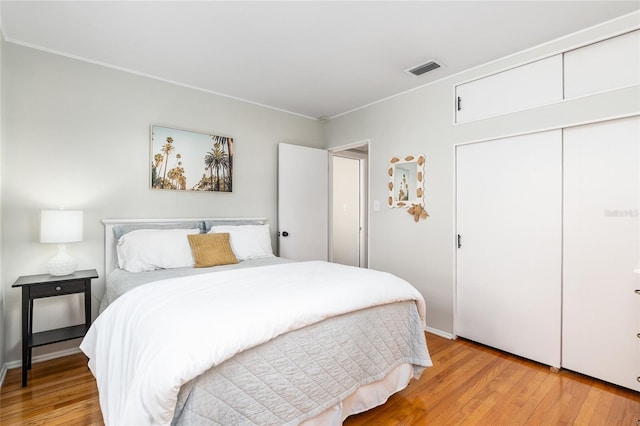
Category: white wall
<point>421,121</point>
<point>77,134</point>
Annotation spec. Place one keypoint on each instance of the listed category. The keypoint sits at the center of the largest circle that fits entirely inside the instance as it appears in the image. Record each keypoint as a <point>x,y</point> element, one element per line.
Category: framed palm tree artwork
<point>182,160</point>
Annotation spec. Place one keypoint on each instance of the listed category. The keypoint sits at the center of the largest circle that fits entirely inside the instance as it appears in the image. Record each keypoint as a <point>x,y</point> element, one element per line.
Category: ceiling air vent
<point>421,69</point>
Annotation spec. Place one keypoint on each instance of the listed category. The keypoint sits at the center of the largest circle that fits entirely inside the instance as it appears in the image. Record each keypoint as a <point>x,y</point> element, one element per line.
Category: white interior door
<point>345,220</point>
<point>303,202</point>
<point>601,312</point>
<point>509,200</point>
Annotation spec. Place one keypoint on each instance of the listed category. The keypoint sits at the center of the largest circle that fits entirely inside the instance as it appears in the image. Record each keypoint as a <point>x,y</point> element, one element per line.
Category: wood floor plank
<point>589,406</point>
<point>577,390</point>
<point>487,398</point>
<point>471,401</point>
<point>514,391</point>
<point>623,411</point>
<point>469,384</point>
<point>447,382</point>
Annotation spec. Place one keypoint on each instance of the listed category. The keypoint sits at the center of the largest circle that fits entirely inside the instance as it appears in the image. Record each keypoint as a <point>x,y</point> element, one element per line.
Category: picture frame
<point>406,181</point>
<point>184,160</point>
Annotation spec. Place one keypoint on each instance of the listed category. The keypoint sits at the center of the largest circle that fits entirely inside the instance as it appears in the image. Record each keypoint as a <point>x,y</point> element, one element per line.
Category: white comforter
<point>157,337</point>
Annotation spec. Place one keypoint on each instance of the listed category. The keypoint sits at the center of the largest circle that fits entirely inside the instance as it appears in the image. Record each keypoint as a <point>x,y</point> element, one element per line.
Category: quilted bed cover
<point>300,374</point>
<point>158,337</point>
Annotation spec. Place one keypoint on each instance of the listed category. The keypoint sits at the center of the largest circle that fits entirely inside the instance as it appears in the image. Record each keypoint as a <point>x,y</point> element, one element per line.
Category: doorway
<point>348,210</point>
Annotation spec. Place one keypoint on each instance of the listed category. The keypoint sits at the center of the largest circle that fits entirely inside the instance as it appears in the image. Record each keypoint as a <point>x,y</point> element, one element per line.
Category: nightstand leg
<point>87,304</point>
<point>30,333</point>
<point>25,334</point>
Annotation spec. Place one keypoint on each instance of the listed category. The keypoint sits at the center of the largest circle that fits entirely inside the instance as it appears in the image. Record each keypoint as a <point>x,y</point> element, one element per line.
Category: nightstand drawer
<point>56,289</point>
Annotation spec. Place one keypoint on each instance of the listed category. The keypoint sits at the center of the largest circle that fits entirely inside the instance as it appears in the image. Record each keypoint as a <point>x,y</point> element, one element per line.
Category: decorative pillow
<point>149,249</point>
<point>247,241</point>
<point>211,250</point>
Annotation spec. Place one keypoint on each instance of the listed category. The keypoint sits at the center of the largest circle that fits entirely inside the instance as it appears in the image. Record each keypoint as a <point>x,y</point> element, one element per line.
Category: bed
<point>262,340</point>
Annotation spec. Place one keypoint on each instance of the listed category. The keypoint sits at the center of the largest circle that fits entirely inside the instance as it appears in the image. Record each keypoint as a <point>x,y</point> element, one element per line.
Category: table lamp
<point>60,227</point>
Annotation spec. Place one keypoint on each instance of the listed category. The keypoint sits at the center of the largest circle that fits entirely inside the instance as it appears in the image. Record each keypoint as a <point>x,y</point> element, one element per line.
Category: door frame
<point>342,151</point>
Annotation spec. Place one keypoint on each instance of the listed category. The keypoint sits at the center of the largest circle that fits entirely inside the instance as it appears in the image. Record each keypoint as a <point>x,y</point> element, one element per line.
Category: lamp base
<point>62,263</point>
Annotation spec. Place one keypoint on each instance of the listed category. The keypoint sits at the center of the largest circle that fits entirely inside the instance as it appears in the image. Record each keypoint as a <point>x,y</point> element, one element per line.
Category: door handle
<point>285,234</point>
<point>459,241</point>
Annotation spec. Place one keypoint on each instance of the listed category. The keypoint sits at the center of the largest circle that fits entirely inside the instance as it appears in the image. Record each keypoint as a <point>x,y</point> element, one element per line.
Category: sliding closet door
<point>509,200</point>
<point>601,311</point>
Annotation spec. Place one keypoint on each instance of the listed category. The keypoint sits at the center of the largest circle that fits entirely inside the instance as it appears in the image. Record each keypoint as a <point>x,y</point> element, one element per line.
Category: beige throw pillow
<point>211,250</point>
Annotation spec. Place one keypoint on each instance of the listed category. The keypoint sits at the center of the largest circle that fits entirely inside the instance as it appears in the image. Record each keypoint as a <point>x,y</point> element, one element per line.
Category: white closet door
<point>606,65</point>
<point>509,261</point>
<point>600,309</point>
<point>516,89</point>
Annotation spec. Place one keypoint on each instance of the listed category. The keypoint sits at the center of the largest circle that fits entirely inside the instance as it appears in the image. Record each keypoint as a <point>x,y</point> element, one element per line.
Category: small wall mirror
<point>406,181</point>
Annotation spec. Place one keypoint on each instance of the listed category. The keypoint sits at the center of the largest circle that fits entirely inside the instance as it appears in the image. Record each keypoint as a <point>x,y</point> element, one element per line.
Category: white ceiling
<point>312,58</point>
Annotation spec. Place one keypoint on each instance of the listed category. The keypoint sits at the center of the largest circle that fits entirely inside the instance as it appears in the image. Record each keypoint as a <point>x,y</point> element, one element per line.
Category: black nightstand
<point>45,285</point>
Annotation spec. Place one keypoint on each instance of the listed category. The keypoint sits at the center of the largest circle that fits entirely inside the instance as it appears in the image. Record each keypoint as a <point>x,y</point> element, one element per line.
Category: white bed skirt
<point>365,398</point>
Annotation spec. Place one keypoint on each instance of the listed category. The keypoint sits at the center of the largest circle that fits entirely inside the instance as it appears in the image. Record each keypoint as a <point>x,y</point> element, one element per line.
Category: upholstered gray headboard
<point>115,228</point>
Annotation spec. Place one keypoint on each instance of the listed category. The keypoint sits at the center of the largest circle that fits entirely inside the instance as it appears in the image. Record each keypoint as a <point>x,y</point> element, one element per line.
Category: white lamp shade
<point>60,226</point>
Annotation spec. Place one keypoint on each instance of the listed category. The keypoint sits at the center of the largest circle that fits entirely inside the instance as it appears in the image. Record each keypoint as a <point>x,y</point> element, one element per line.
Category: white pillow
<point>247,241</point>
<point>149,249</point>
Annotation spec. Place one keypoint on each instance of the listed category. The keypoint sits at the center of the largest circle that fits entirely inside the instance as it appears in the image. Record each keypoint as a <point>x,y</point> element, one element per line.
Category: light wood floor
<point>469,384</point>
